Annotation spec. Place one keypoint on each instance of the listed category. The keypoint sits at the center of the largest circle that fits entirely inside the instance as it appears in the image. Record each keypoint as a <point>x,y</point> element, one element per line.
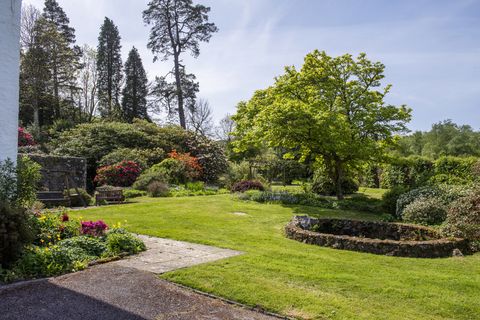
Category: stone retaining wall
<point>300,229</point>
<point>54,169</point>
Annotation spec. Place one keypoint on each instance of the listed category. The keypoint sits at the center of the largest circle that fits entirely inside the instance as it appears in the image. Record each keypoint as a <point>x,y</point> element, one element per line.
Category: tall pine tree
<point>58,40</point>
<point>134,94</point>
<point>54,13</point>
<point>109,66</point>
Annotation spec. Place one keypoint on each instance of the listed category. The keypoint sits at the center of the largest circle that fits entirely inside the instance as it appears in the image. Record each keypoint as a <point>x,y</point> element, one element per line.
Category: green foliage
<point>8,181</point>
<point>28,175</point>
<point>444,194</point>
<point>463,218</point>
<point>49,261</point>
<point>390,198</point>
<point>322,184</point>
<point>444,139</point>
<point>357,202</point>
<point>405,199</point>
<point>135,91</point>
<point>52,226</point>
<point>122,242</point>
<point>210,155</point>
<point>158,189</point>
<point>195,186</point>
<point>148,177</point>
<point>144,157</point>
<point>109,66</point>
<point>345,126</point>
<point>92,246</point>
<point>15,232</point>
<point>426,211</point>
<point>133,193</point>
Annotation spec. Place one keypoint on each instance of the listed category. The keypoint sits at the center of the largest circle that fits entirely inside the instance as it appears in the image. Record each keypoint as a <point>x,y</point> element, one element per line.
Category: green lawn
<point>296,279</point>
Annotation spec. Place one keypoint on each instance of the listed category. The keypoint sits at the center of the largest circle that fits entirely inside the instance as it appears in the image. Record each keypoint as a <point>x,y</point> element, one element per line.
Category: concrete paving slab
<point>165,255</point>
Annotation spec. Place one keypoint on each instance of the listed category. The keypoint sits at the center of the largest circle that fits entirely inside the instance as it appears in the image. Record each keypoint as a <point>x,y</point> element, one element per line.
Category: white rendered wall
<point>9,77</point>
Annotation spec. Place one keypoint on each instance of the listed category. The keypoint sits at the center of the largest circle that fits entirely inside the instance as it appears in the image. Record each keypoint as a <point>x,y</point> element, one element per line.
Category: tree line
<point>63,84</point>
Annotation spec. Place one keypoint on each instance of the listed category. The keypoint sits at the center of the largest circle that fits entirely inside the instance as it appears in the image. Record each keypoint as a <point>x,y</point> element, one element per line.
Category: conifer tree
<point>134,94</point>
<point>109,66</point>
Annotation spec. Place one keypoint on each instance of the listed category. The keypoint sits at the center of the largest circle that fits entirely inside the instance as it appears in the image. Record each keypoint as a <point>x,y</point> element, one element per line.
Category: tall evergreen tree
<point>178,26</point>
<point>109,66</point>
<point>54,13</point>
<point>59,38</point>
<point>134,94</point>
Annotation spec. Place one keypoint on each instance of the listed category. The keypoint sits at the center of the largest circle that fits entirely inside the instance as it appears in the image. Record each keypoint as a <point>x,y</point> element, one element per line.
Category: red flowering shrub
<point>95,229</point>
<point>179,168</point>
<point>25,138</point>
<point>122,174</point>
<point>245,185</point>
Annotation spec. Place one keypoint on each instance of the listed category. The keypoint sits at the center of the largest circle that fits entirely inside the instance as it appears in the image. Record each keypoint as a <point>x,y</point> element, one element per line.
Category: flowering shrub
<point>95,229</point>
<point>122,174</point>
<point>245,185</point>
<point>426,211</point>
<point>25,138</point>
<point>191,167</point>
<point>463,219</point>
<point>52,226</point>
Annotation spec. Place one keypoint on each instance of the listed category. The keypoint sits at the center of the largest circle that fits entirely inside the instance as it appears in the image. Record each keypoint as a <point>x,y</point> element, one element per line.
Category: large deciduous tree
<point>134,94</point>
<point>109,67</point>
<point>178,26</point>
<point>332,110</point>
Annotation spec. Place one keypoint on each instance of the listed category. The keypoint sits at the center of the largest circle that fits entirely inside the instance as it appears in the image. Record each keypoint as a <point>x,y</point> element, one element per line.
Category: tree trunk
<point>339,179</point>
<point>178,79</point>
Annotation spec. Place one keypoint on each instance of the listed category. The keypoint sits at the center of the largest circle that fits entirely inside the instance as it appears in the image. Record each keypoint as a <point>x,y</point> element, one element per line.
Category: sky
<point>431,48</point>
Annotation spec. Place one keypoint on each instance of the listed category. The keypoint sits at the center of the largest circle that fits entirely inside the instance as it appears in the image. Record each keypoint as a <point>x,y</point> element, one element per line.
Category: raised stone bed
<point>393,239</point>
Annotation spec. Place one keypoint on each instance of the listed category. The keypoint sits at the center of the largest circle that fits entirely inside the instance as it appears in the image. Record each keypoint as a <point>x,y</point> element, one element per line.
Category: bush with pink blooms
<point>94,228</point>
<point>122,174</point>
<point>25,138</point>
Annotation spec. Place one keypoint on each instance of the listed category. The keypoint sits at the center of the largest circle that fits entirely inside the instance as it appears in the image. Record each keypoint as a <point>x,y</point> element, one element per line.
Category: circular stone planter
<point>393,239</point>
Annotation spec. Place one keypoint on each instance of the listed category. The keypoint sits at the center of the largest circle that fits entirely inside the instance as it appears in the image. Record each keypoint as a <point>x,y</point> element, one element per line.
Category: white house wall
<point>9,76</point>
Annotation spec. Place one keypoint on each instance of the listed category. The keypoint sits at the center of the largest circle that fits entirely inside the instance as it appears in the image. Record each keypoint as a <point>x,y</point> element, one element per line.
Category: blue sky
<point>431,48</point>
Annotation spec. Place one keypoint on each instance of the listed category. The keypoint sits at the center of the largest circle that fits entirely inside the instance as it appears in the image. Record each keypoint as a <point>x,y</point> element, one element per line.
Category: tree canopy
<point>332,110</point>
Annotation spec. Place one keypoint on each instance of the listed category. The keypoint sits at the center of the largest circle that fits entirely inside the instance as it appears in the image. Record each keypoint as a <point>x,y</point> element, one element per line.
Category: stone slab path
<point>164,255</point>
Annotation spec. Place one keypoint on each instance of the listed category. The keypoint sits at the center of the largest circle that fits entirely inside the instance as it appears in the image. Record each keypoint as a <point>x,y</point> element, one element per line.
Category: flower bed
<point>392,239</point>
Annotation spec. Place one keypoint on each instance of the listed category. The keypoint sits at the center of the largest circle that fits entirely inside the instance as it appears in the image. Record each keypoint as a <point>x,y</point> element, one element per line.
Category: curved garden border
<point>393,239</point>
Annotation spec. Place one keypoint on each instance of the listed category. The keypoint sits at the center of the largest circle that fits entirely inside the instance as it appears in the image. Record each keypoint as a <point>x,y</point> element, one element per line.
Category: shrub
<point>25,138</point>
<point>463,218</point>
<point>15,232</point>
<point>133,193</point>
<point>195,186</point>
<point>49,261</point>
<point>93,247</point>
<point>122,174</point>
<point>445,194</point>
<point>245,185</point>
<point>180,168</point>
<point>426,211</point>
<point>158,189</point>
<point>51,226</point>
<point>30,150</point>
<point>144,157</point>
<point>122,242</point>
<point>210,154</point>
<point>410,196</point>
<point>28,176</point>
<point>148,177</point>
<point>75,200</point>
<point>94,229</point>
<point>323,184</point>
<point>8,181</point>
<point>390,198</point>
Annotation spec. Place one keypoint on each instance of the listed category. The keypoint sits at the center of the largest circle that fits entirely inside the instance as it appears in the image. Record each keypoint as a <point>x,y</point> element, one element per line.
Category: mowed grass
<point>297,279</point>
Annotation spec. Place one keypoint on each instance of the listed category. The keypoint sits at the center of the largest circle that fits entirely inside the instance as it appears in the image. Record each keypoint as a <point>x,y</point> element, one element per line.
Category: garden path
<point>125,289</point>
<point>164,255</point>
